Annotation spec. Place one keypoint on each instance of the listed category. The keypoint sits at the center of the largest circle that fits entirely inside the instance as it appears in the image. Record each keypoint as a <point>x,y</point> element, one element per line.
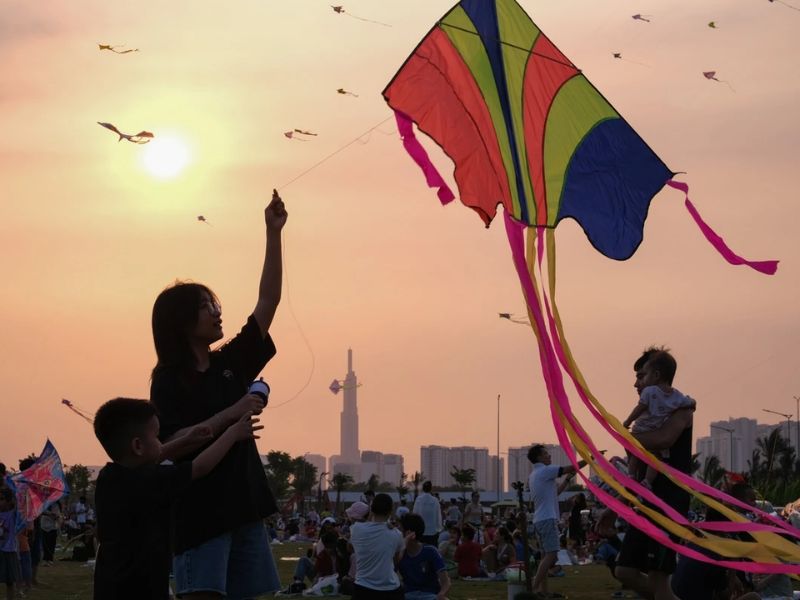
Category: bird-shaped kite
<point>526,129</point>
<point>638,17</point>
<point>114,49</point>
<point>712,76</point>
<point>344,92</point>
<point>142,137</point>
<point>341,11</point>
<point>86,416</point>
<point>294,133</point>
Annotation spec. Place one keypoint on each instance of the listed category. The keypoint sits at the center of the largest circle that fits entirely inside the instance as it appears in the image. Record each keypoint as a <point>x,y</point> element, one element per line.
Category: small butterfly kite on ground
<point>341,11</point>
<point>142,137</point>
<point>114,49</point>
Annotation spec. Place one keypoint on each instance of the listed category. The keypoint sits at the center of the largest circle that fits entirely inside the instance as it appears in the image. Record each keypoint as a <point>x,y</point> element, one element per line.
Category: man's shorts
<point>644,554</point>
<point>547,531</point>
<point>237,564</point>
<point>9,567</point>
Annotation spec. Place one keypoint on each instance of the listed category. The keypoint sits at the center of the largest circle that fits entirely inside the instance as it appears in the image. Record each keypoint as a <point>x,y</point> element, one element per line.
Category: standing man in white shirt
<point>427,507</point>
<point>544,492</point>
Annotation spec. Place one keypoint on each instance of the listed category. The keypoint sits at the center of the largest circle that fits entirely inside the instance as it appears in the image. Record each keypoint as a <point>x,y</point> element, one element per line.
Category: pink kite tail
<point>768,267</point>
<point>410,142</point>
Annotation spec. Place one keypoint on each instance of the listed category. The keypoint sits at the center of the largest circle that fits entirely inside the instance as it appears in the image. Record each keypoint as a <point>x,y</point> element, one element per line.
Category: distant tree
<point>713,473</point>
<point>78,479</point>
<point>695,465</point>
<point>372,482</point>
<point>340,481</point>
<point>464,479</point>
<point>303,478</point>
<point>402,488</point>
<point>279,470</point>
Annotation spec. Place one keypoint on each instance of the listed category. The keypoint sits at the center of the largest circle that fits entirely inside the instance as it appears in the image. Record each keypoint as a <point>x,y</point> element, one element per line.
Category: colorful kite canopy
<point>526,130</point>
<point>40,485</point>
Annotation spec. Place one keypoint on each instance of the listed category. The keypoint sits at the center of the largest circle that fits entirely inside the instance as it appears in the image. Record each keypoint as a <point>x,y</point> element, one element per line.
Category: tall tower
<point>349,417</point>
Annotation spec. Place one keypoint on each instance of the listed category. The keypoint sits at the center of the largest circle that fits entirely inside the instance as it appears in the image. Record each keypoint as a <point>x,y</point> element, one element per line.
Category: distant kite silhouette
<point>712,24</point>
<point>514,319</point>
<point>202,219</point>
<point>336,386</point>
<point>644,18</point>
<point>292,134</point>
<point>78,411</point>
<point>618,55</point>
<point>137,138</point>
<point>341,11</point>
<point>344,92</point>
<point>712,75</point>
<point>114,49</point>
<point>785,4</point>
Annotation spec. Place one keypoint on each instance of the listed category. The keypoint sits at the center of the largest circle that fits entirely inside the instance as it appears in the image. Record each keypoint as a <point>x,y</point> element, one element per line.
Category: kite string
<point>299,328</point>
<point>334,153</point>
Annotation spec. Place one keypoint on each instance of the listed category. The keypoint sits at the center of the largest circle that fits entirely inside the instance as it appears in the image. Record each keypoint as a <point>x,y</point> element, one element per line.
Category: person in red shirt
<point>468,554</point>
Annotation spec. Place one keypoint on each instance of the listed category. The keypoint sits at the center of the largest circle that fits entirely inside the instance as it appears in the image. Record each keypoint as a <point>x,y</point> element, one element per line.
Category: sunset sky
<point>90,236</point>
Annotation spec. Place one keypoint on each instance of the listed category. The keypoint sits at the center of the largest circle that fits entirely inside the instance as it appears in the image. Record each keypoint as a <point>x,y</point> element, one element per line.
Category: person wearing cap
<point>357,513</point>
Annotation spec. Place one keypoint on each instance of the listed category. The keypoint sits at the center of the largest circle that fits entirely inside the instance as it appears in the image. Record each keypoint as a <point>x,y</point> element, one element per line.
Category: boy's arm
<point>664,437</point>
<point>249,403</point>
<point>185,441</point>
<point>637,412</point>
<point>243,429</point>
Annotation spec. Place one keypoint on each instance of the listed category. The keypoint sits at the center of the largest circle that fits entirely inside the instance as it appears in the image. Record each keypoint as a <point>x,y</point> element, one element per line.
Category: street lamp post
<point>785,416</point>
<point>497,465</point>
<point>730,432</point>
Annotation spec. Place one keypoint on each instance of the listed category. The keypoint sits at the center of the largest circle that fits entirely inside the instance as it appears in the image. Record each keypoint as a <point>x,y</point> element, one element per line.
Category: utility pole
<point>497,464</point>
<point>797,439</point>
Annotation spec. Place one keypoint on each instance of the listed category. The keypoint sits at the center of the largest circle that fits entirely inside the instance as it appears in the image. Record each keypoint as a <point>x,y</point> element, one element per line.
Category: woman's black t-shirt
<point>235,492</point>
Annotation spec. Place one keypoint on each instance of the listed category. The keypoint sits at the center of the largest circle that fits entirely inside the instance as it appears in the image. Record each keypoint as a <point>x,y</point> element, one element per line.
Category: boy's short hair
<point>534,452</point>
<point>413,522</point>
<point>382,505</point>
<point>663,362</point>
<point>120,420</point>
<point>467,532</point>
<point>427,486</point>
<point>647,353</point>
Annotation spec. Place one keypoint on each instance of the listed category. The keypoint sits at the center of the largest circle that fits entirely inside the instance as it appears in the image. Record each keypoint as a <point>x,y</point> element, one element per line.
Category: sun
<point>166,157</point>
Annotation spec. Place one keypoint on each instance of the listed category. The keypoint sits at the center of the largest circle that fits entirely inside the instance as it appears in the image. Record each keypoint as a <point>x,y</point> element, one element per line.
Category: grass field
<point>73,581</point>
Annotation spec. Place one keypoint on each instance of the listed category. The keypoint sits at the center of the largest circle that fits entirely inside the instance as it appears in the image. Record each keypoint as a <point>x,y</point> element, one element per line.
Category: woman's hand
<point>200,434</point>
<point>275,214</point>
<point>249,403</point>
<point>245,428</point>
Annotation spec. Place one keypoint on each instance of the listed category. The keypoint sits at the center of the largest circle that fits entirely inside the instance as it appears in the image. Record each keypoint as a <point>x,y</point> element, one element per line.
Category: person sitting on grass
<point>421,566</point>
<point>315,565</point>
<point>468,554</point>
<point>134,494</point>
<point>500,554</point>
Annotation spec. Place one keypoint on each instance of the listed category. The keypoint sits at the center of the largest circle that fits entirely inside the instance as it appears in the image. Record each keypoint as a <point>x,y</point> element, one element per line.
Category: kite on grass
<point>638,17</point>
<point>344,92</point>
<point>712,76</point>
<point>39,486</point>
<point>114,49</point>
<point>142,137</point>
<point>341,11</point>
<point>527,131</point>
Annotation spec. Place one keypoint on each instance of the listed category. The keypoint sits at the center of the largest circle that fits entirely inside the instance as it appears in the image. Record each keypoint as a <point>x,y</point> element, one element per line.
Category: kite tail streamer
<point>768,267</point>
<point>417,152</point>
<point>567,427</point>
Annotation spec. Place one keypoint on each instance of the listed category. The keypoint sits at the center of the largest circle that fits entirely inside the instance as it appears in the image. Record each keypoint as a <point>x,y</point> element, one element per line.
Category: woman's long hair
<point>174,316</point>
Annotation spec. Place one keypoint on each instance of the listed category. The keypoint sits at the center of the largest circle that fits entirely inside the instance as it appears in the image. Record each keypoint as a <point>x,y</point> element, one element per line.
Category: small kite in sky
<point>292,134</point>
<point>712,75</point>
<point>786,4</point>
<point>344,92</point>
<point>618,55</point>
<point>644,18</point>
<point>341,11</point>
<point>114,49</point>
<point>137,138</point>
<point>514,319</point>
<point>202,219</point>
<point>78,411</point>
<point>336,386</point>
<point>712,24</point>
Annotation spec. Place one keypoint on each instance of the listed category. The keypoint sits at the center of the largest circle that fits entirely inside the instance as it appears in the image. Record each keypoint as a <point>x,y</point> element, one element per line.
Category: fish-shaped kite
<point>142,137</point>
<point>114,49</point>
<point>712,76</point>
<point>341,11</point>
<point>638,17</point>
<point>514,319</point>
<point>527,131</point>
<point>344,92</point>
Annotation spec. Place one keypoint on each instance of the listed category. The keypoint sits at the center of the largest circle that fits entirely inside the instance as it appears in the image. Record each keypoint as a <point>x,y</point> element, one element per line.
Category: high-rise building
<point>392,468</point>
<point>519,467</point>
<point>437,462</point>
<point>321,463</point>
<point>349,451</point>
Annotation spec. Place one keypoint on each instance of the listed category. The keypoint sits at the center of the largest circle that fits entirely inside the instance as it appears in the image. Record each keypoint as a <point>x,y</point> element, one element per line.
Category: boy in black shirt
<point>134,494</point>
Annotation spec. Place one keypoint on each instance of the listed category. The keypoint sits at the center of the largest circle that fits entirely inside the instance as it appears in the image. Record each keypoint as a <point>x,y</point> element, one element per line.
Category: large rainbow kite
<point>526,130</point>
